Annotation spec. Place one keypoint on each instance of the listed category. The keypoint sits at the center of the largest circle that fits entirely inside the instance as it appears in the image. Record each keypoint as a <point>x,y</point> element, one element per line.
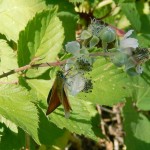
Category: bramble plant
<point>102,66</point>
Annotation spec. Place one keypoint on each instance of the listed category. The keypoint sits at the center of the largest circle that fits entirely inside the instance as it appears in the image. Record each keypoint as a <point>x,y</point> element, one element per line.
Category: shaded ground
<point>112,128</point>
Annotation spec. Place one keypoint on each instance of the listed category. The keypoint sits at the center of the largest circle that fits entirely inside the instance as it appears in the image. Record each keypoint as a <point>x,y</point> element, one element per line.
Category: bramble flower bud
<point>85,35</point>
<point>139,69</point>
<point>107,35</point>
<point>94,41</point>
<point>119,59</point>
<point>73,48</point>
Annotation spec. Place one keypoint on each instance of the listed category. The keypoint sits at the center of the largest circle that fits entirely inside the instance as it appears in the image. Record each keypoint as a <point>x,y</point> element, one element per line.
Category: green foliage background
<point>36,31</point>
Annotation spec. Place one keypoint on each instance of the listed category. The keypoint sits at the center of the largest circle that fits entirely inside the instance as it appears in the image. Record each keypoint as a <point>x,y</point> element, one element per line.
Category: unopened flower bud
<point>107,35</point>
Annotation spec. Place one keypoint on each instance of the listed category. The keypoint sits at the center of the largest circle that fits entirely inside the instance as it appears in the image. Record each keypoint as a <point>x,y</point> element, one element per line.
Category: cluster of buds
<point>126,53</point>
<point>129,55</point>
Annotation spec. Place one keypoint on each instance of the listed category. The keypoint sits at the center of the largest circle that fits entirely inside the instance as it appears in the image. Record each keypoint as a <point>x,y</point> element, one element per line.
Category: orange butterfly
<point>58,95</point>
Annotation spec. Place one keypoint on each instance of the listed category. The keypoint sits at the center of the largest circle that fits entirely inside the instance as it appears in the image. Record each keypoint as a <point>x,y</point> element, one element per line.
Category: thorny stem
<point>57,63</point>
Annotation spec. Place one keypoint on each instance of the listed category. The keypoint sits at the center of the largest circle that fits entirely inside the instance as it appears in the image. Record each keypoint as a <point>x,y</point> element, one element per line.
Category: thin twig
<point>57,63</point>
<point>31,66</point>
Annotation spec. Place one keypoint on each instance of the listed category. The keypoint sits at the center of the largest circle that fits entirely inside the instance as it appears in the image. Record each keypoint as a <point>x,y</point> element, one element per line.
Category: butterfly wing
<point>53,99</point>
<point>65,102</point>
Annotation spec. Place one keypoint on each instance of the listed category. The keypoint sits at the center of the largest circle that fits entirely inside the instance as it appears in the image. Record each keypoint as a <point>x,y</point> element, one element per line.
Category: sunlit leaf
<point>110,84</point>
<point>80,121</point>
<point>42,38</point>
<point>130,10</point>
<point>15,15</point>
<point>73,47</point>
<point>82,118</point>
<point>9,124</point>
<point>8,61</point>
<point>136,128</point>
<point>16,105</point>
<point>141,88</point>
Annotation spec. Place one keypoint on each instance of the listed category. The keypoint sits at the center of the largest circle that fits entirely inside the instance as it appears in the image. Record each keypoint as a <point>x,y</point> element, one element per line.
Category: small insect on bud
<point>83,64</point>
<point>88,86</point>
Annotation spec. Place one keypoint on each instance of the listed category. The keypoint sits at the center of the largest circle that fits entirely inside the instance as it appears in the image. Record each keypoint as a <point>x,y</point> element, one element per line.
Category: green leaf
<point>11,141</point>
<point>16,105</point>
<point>82,119</point>
<point>15,15</point>
<point>69,23</point>
<point>36,72</point>
<point>8,61</point>
<point>41,87</point>
<point>145,20</point>
<point>101,10</point>
<point>143,123</point>
<point>85,35</point>
<point>110,84</point>
<point>63,6</point>
<point>9,124</point>
<point>136,127</point>
<point>141,89</point>
<point>48,132</point>
<point>73,48</point>
<point>143,40</point>
<point>130,10</point>
<point>76,1</point>
<point>42,38</point>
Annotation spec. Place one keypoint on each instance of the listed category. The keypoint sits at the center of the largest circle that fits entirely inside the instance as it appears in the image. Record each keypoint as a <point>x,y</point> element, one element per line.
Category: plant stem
<point>27,141</point>
<point>57,63</point>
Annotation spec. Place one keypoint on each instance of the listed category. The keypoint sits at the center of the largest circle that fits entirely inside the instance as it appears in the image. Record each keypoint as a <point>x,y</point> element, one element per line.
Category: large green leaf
<point>15,15</point>
<point>70,27</point>
<point>136,127</point>
<point>141,88</point>
<point>8,61</point>
<point>83,117</point>
<point>42,88</point>
<point>143,123</point>
<point>76,1</point>
<point>81,120</point>
<point>130,11</point>
<point>16,105</point>
<point>145,20</point>
<point>68,16</point>
<point>48,132</point>
<point>143,40</point>
<point>11,141</point>
<point>63,6</point>
<point>110,84</point>
<point>42,39</point>
<point>9,124</point>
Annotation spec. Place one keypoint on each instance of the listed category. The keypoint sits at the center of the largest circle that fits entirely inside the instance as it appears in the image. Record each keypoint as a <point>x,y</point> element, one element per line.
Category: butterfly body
<point>58,95</point>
